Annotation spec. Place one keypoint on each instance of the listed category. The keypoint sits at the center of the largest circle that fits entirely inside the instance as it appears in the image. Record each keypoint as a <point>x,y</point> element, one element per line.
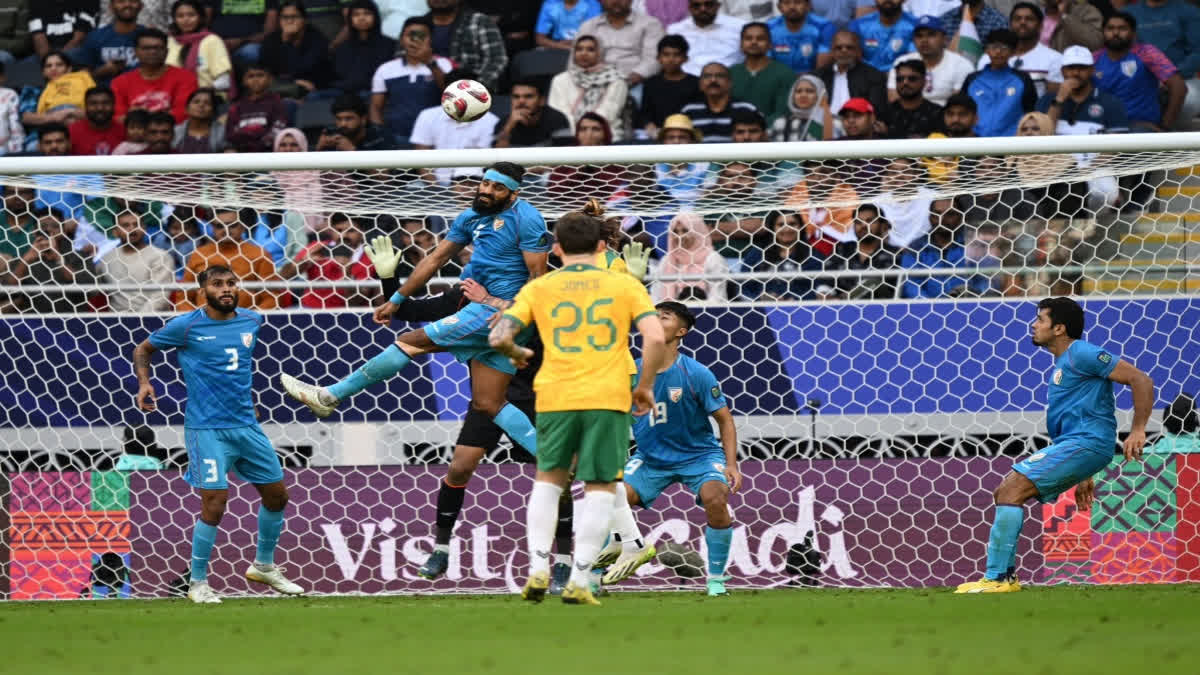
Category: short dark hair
<point>756,24</point>
<point>915,65</point>
<point>214,270</point>
<point>298,4</point>
<point>744,116</point>
<point>1037,11</point>
<point>513,171</point>
<point>418,21</point>
<point>60,54</point>
<point>962,100</point>
<point>137,117</point>
<point>161,117</point>
<point>349,103</point>
<point>1124,16</point>
<point>1002,35</point>
<point>529,82</point>
<point>577,232</point>
<point>1066,312</point>
<point>53,128</point>
<point>339,217</point>
<point>673,42</point>
<point>678,309</point>
<point>152,33</point>
<point>99,90</point>
<point>867,207</point>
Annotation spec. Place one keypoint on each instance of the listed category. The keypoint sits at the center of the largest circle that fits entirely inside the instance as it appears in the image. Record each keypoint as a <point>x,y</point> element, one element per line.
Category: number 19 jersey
<point>583,315</point>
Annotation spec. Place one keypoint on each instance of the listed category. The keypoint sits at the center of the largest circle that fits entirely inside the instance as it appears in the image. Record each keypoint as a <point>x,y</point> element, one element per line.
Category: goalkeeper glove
<point>637,259</point>
<point>383,256</point>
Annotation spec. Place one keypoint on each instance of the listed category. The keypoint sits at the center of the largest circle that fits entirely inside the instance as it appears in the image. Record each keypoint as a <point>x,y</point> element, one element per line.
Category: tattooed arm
<point>501,339</point>
<point>141,366</point>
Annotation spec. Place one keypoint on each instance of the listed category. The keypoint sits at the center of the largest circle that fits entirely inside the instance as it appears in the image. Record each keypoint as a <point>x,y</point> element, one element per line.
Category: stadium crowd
<point>148,77</point>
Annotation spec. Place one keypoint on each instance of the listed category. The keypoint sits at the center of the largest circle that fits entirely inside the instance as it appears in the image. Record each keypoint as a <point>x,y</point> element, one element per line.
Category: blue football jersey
<point>499,240</point>
<point>679,429</point>
<point>799,50</point>
<point>1080,401</point>
<point>215,357</point>
<point>882,45</point>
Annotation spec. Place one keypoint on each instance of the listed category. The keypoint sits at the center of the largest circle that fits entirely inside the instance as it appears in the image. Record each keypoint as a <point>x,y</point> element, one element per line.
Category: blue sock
<point>203,538</point>
<point>270,523</point>
<point>718,549</point>
<point>384,365</point>
<point>1002,543</point>
<point>518,427</point>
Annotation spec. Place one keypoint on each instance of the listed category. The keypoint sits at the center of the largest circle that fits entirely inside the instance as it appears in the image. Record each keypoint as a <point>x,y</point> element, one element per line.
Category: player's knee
<point>489,405</point>
<point>275,501</point>
<point>212,507</point>
<point>461,470</point>
<point>716,507</point>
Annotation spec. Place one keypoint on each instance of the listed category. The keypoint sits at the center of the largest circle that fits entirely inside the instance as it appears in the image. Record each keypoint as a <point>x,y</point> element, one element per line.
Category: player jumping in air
<point>511,245</point>
<point>675,444</point>
<point>216,347</point>
<point>583,314</point>
<point>1082,422</point>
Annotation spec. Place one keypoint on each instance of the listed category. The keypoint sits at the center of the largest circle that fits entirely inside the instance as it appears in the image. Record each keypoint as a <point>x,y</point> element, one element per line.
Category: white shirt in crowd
<point>841,91</point>
<point>943,80</point>
<point>435,129</point>
<point>1041,63</point>
<point>750,10</point>
<point>146,265</point>
<point>720,42</point>
<point>909,219</point>
<point>920,8</point>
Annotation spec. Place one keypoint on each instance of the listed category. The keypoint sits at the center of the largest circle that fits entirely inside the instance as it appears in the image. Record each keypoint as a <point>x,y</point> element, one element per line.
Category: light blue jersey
<point>559,22</point>
<point>882,45</point>
<point>500,240</point>
<point>678,430</point>
<point>799,50</point>
<point>1081,407</point>
<point>215,357</point>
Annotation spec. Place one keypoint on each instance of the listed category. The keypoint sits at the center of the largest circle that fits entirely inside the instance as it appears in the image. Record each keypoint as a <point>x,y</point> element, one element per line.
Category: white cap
<point>1077,55</point>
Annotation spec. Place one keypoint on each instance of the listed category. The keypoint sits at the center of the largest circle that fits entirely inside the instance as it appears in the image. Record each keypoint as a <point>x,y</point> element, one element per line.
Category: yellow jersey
<point>583,315</point>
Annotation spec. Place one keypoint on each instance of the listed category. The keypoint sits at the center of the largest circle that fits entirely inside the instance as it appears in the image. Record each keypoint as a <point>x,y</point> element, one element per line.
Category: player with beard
<point>216,348</point>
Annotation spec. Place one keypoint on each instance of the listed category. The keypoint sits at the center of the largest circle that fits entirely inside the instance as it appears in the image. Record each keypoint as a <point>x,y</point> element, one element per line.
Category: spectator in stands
<point>257,115</point>
<point>809,117</point>
<point>14,31</point>
<point>228,246</point>
<point>711,116</point>
<point>160,133</point>
<point>409,83</point>
<point>857,118</point>
<point>17,224</point>
<point>108,50</point>
<point>514,18</point>
<point>712,37</point>
<point>558,22</point>
<point>61,100</point>
<point>434,130</point>
<point>203,130</point>
<point>905,200</point>
<point>1003,93</point>
<point>59,25</point>
<point>590,84</point>
<point>945,71</point>
<point>52,259</point>
<point>302,192</point>
<point>153,85</point>
<point>786,252</point>
<point>136,262</point>
<point>178,237</point>
<point>364,51</point>
<point>1174,27</point>
<point>630,39</point>
<point>1042,64</point>
<point>800,39</point>
<point>328,17</point>
<point>1071,22</point>
<point>192,46</point>
<point>135,133</point>
<point>912,115</point>
<point>1078,107</point>
<point>332,258</point>
<point>939,250</point>
<point>824,226</point>
<point>968,23</point>
<point>470,39</point>
<point>12,134</point>
<point>666,93</point>
<point>683,182</point>
<point>848,77</point>
<point>886,33</point>
<point>748,127</point>
<point>1133,71</point>
<point>869,252</point>
<point>960,116</point>
<point>96,134</point>
<point>597,180</point>
<point>243,25</point>
<point>297,54</point>
<point>690,252</point>
<point>759,80</point>
<point>736,234</point>
<point>530,123</point>
<point>352,128</point>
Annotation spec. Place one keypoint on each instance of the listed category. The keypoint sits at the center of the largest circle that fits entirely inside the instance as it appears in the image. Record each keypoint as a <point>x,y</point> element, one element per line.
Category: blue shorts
<point>213,453</point>
<point>465,336</point>
<point>1061,466</point>
<point>649,481</point>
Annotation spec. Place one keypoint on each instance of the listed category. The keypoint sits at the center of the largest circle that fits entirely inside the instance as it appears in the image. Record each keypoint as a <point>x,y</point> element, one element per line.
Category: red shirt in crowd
<point>167,93</point>
<point>86,139</point>
<point>326,268</point>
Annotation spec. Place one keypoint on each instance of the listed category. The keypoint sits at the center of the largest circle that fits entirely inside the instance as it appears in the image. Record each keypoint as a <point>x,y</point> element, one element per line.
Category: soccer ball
<point>466,100</point>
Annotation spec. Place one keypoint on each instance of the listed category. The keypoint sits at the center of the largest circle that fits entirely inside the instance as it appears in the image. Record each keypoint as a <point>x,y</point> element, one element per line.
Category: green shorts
<point>599,437</point>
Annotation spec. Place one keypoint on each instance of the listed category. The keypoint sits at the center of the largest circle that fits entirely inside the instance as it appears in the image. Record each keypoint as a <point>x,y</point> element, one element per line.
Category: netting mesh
<point>868,320</point>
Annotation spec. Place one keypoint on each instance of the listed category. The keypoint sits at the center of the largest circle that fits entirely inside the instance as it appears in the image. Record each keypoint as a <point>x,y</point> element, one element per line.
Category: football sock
<point>270,524</point>
<point>595,518</point>
<point>516,424</point>
<point>380,367</point>
<point>449,505</point>
<point>624,527</point>
<point>1002,542</point>
<point>203,538</point>
<point>539,524</point>
<point>718,549</point>
<point>563,534</point>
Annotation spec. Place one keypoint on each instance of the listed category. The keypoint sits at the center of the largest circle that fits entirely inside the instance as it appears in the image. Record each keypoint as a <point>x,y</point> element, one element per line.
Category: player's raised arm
<point>1143,404</point>
<point>425,270</point>
<point>654,357</point>
<point>537,263</point>
<point>141,366</point>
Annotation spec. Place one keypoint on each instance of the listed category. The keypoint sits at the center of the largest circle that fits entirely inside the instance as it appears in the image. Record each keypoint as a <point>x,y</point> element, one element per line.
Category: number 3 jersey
<point>583,315</point>
<point>215,357</point>
<point>678,430</point>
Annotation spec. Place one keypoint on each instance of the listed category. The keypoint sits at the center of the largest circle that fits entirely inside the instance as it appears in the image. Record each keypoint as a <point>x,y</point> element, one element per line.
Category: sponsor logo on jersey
<point>1129,68</point>
<point>719,467</point>
<point>716,392</point>
<point>1057,379</point>
<point>247,339</point>
<point>497,223</point>
<point>676,394</point>
<point>1104,357</point>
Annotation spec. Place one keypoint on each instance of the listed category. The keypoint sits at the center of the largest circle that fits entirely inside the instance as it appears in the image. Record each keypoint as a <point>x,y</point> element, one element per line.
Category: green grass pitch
<point>1080,629</point>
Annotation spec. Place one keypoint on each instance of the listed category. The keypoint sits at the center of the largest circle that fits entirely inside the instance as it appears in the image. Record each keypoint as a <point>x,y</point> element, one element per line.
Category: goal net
<point>865,306</point>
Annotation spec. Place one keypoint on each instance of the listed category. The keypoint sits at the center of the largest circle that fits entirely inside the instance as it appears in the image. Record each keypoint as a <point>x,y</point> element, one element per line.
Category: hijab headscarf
<point>301,189</point>
<point>686,255</point>
<point>1040,168</point>
<point>592,82</point>
<point>800,120</point>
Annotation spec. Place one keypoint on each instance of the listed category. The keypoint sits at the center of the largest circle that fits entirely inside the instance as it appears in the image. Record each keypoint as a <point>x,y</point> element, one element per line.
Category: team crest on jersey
<point>716,392</point>
<point>676,394</point>
<point>897,43</point>
<point>1129,68</point>
<point>247,338</point>
<point>719,467</point>
<point>1096,110</point>
<point>1011,91</point>
<point>1057,379</point>
<point>497,223</point>
<point>1104,357</point>
<point>806,50</point>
